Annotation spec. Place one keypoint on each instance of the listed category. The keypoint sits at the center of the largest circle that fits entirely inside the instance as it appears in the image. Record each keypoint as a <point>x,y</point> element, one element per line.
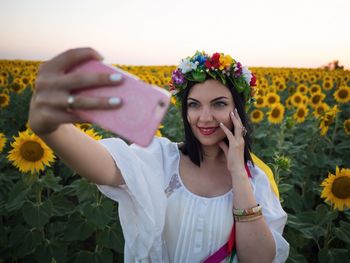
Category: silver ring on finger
<point>70,102</point>
<point>244,131</point>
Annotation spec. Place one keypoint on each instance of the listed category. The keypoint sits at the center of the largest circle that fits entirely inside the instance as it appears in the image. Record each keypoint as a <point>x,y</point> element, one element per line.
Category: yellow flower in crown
<point>225,62</point>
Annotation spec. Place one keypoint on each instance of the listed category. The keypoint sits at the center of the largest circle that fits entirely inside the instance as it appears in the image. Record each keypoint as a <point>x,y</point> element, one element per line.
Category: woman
<point>176,204</point>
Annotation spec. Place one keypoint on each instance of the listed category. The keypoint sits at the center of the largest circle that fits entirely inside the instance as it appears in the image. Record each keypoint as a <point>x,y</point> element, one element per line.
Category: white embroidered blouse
<point>163,221</point>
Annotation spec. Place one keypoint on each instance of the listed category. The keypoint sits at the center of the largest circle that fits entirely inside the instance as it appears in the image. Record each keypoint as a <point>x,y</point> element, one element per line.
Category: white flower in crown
<point>186,65</point>
<point>247,74</point>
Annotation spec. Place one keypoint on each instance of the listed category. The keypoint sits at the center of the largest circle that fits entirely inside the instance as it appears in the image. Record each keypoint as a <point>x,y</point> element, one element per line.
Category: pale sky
<point>277,33</point>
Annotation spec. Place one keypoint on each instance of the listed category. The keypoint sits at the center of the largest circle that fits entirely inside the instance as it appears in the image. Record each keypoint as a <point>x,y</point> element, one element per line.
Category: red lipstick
<point>207,130</point>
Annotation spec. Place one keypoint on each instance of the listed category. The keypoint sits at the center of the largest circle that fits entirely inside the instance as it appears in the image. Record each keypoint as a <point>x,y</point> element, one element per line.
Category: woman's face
<point>208,104</point>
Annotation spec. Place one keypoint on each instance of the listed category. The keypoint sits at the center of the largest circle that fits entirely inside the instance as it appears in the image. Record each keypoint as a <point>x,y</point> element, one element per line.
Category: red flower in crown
<point>213,62</point>
<point>253,81</point>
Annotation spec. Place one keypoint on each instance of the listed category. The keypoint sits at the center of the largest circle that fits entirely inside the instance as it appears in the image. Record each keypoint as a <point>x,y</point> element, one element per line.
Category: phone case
<point>142,110</point>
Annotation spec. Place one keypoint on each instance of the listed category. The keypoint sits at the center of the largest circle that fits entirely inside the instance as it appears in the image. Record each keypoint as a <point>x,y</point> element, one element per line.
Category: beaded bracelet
<point>249,211</point>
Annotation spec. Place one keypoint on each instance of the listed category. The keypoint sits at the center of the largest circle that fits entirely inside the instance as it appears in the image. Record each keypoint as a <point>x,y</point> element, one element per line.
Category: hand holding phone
<point>142,110</point>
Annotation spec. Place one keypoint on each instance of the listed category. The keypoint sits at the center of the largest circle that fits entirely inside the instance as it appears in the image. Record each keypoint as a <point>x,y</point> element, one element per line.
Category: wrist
<point>239,172</point>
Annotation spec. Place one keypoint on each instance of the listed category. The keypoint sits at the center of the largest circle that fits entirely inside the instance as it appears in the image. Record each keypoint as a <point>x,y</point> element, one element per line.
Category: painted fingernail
<point>114,101</point>
<point>231,113</point>
<point>236,110</point>
<point>221,124</point>
<point>115,77</point>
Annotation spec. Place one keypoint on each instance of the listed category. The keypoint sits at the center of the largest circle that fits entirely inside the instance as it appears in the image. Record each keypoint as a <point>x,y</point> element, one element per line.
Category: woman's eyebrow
<point>219,98</point>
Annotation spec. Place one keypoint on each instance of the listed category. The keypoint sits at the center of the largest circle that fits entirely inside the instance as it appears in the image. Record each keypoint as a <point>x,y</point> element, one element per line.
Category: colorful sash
<point>229,248</point>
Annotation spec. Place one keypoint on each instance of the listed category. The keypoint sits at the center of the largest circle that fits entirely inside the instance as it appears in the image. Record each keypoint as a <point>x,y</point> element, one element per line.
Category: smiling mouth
<point>208,130</point>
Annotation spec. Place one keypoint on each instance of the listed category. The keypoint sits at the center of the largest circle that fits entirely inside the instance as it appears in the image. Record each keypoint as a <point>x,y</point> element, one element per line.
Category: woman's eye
<point>191,104</point>
<point>220,104</point>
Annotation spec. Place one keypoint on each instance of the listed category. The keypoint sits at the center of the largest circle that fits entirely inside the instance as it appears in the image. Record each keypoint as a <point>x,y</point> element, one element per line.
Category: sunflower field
<point>301,129</point>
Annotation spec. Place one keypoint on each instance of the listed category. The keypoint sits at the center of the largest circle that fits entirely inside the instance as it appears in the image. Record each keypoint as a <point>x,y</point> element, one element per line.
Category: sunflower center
<point>16,87</point>
<point>275,113</point>
<point>256,114</point>
<point>316,99</point>
<point>259,101</point>
<point>2,99</point>
<point>343,93</point>
<point>341,187</point>
<point>297,99</point>
<point>32,151</point>
<point>301,113</point>
<point>272,100</point>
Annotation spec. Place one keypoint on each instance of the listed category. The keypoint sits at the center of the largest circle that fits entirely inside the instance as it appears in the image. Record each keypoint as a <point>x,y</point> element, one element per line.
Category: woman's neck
<point>213,154</point>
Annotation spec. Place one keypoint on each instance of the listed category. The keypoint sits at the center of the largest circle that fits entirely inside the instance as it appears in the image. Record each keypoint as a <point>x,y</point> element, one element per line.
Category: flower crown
<point>224,68</point>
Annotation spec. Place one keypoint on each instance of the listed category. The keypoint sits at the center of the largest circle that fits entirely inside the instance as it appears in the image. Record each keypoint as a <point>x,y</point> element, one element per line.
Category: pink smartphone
<point>143,105</point>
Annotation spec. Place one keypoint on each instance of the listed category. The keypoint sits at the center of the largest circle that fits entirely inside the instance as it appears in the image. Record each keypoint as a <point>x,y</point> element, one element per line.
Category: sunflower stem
<point>39,195</point>
<point>98,198</point>
<point>328,234</point>
<point>335,127</point>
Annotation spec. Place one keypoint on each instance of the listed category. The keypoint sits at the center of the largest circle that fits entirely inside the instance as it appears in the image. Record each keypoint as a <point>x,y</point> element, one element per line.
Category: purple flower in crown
<point>237,69</point>
<point>178,77</point>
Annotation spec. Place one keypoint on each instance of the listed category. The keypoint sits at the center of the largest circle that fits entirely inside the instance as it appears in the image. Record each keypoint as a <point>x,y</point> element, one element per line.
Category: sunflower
<point>304,76</point>
<point>4,74</point>
<point>272,98</point>
<point>276,113</point>
<point>315,88</point>
<point>297,99</point>
<point>30,153</point>
<point>256,116</point>
<point>288,103</point>
<point>336,189</point>
<point>4,100</point>
<point>301,113</point>
<point>312,78</point>
<point>320,109</point>
<point>17,86</point>
<point>327,84</point>
<point>326,78</point>
<point>89,131</point>
<point>3,81</point>
<point>260,102</point>
<point>302,88</point>
<point>346,128</point>
<point>342,95</point>
<point>271,89</point>
<point>345,78</point>
<point>296,79</point>
<point>282,86</point>
<point>83,126</point>
<point>262,88</point>
<point>159,133</point>
<point>327,119</point>
<point>317,99</point>
<point>3,140</point>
